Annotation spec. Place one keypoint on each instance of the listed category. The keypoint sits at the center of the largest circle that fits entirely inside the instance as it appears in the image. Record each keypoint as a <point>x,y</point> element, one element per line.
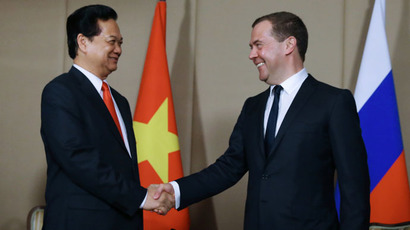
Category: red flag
<point>155,126</point>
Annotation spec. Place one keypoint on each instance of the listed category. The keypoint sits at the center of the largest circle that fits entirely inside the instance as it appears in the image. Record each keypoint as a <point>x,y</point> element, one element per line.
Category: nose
<point>118,49</point>
<point>253,54</point>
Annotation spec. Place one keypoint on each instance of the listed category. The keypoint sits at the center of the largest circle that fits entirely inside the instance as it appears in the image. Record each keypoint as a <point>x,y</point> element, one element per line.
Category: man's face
<point>266,53</point>
<point>104,50</point>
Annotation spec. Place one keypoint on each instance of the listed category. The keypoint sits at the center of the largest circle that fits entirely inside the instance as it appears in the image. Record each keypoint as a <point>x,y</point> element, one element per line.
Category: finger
<point>161,211</point>
<point>168,188</point>
<point>153,186</point>
<point>158,192</point>
<point>169,202</point>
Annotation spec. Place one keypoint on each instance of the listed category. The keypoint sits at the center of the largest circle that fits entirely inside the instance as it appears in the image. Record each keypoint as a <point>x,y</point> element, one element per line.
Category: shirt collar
<point>97,82</point>
<point>294,82</point>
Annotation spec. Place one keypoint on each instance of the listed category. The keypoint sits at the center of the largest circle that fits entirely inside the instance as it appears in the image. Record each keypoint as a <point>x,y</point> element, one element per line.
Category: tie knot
<point>277,89</point>
<point>104,86</point>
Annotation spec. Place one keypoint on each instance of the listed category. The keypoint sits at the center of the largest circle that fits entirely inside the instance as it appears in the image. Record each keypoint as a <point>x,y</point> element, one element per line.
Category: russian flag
<point>377,107</point>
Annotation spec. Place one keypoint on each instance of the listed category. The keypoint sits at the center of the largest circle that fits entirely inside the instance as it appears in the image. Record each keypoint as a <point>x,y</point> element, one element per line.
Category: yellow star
<point>155,142</point>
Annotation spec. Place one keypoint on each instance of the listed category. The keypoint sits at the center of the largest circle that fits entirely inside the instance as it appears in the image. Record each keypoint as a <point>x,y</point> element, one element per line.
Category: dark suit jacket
<point>92,183</point>
<point>294,187</point>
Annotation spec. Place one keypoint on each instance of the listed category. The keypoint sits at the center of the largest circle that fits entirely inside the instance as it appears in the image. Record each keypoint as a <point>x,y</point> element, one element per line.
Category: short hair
<point>285,24</point>
<point>85,21</point>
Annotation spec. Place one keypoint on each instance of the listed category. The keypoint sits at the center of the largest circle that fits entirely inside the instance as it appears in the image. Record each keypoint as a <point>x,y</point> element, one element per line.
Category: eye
<point>111,41</point>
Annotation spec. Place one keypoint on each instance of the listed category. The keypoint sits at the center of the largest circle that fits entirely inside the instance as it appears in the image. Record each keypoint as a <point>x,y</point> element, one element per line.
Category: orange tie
<point>110,104</point>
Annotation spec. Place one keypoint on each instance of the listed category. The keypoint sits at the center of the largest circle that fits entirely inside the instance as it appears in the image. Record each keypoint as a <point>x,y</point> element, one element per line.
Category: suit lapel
<point>124,110</point>
<point>92,95</point>
<point>125,114</point>
<point>305,91</point>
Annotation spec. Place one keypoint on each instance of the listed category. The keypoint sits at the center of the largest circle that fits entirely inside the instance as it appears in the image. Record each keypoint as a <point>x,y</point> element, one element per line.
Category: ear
<point>290,44</point>
<point>82,42</point>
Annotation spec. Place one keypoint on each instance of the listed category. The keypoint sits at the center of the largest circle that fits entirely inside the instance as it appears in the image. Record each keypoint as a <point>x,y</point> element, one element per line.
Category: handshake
<point>160,198</point>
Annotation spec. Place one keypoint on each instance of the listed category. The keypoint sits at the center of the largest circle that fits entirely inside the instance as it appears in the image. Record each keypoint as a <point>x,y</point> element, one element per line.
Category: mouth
<point>260,64</point>
<point>114,59</point>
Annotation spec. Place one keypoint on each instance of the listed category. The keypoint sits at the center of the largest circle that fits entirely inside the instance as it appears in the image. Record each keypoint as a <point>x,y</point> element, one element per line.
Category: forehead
<point>110,27</point>
<point>262,30</point>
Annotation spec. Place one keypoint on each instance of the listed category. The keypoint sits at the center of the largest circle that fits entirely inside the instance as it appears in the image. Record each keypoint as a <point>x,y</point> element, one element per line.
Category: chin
<point>112,69</point>
<point>263,78</point>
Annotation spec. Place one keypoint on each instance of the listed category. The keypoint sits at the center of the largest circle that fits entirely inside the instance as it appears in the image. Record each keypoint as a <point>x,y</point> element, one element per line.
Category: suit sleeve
<point>224,173</point>
<point>351,163</point>
<point>63,130</point>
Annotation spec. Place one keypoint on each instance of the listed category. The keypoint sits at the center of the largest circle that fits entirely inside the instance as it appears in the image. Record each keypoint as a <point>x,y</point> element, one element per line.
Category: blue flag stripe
<point>379,120</point>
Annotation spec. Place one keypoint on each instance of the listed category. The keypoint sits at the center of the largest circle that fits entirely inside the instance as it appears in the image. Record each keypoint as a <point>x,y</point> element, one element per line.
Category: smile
<point>260,64</point>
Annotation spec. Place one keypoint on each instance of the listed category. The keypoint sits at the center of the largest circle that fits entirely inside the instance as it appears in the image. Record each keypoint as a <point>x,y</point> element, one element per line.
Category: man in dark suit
<point>291,138</point>
<point>92,176</point>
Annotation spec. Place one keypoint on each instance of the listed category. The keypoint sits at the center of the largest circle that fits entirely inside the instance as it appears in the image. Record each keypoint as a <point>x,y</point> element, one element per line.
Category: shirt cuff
<point>143,202</point>
<point>177,193</point>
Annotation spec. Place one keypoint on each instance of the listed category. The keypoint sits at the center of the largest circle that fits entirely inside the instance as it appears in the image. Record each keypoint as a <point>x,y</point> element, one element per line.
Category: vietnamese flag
<point>155,129</point>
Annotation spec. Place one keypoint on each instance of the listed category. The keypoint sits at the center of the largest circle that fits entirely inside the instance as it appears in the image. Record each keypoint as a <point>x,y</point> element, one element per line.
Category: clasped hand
<point>160,198</point>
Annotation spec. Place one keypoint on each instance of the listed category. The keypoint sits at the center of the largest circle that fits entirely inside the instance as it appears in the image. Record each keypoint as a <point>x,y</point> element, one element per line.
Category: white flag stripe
<point>375,63</point>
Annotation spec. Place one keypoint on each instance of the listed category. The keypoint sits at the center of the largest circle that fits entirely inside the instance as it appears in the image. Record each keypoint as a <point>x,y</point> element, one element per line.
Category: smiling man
<point>86,126</point>
<point>291,139</point>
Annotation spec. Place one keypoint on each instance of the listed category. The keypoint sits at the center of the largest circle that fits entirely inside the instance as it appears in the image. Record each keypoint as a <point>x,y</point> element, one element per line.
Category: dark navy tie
<point>272,120</point>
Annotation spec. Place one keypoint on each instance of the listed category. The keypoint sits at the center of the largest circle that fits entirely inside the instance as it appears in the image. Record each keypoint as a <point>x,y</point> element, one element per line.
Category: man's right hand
<point>164,188</point>
<point>160,199</point>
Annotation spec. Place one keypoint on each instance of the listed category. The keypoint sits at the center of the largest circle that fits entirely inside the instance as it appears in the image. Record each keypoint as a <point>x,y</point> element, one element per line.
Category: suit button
<point>265,177</point>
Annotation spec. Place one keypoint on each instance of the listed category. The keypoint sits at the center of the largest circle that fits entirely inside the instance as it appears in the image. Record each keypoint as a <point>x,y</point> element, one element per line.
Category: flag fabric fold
<point>155,127</point>
<point>378,111</point>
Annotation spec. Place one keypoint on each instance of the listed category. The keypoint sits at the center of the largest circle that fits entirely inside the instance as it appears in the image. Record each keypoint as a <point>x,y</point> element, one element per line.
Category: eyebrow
<point>254,42</point>
<point>115,37</point>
